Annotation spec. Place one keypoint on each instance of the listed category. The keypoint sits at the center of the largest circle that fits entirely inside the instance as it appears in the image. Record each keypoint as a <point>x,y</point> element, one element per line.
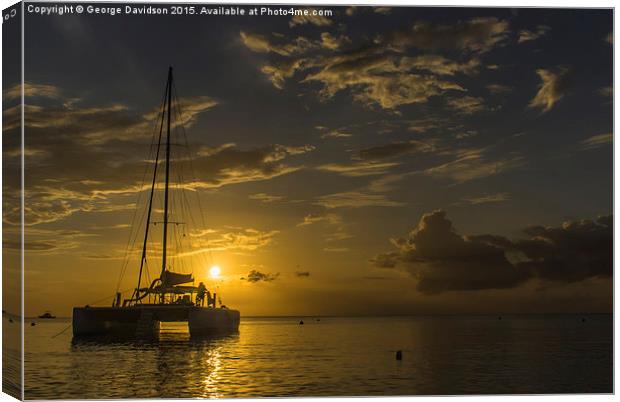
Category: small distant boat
<point>47,315</point>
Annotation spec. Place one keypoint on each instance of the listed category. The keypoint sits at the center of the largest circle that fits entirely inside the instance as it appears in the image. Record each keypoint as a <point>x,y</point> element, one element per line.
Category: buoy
<point>301,322</point>
<point>399,355</point>
<point>10,320</point>
<point>32,324</point>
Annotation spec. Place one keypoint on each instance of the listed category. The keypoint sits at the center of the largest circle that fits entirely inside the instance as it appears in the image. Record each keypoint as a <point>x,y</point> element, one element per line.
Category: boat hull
<point>212,321</point>
<point>144,320</point>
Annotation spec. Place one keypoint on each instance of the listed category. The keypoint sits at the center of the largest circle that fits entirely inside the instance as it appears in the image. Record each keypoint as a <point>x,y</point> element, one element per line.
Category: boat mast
<point>165,240</point>
<point>148,216</point>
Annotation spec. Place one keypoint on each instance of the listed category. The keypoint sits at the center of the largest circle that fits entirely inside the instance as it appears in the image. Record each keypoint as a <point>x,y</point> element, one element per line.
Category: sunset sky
<point>379,161</point>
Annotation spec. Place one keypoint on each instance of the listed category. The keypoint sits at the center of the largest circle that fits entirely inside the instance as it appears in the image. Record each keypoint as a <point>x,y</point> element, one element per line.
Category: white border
<point>460,3</point>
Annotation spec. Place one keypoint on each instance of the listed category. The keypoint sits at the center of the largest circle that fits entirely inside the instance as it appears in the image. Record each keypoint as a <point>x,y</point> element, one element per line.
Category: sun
<point>215,271</point>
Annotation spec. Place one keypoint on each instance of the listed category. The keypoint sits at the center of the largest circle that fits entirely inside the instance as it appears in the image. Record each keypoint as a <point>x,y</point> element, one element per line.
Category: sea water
<point>441,355</point>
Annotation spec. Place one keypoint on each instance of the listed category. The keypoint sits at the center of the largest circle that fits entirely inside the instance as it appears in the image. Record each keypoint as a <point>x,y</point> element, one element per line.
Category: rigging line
<point>66,328</point>
<point>187,207</point>
<point>133,223</point>
<point>185,204</point>
<point>95,302</point>
<point>131,241</point>
<point>193,173</point>
<point>125,256</point>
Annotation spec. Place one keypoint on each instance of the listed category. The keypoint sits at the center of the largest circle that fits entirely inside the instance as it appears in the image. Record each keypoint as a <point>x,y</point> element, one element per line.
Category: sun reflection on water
<point>211,381</point>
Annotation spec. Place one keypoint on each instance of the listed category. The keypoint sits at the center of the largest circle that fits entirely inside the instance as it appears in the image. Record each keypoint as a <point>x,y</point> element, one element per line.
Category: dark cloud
<point>257,276</point>
<point>377,80</point>
<point>467,105</point>
<point>570,253</point>
<point>314,17</point>
<point>474,35</point>
<point>31,90</point>
<point>597,141</point>
<point>475,163</point>
<point>358,169</point>
<point>375,71</point>
<point>263,44</point>
<point>98,156</point>
<point>332,42</point>
<point>527,35</point>
<point>440,65</point>
<point>393,149</point>
<point>554,85</point>
<point>499,88</point>
<point>443,260</point>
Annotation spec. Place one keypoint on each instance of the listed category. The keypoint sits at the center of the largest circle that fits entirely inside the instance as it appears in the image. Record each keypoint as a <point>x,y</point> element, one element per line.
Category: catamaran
<point>172,296</point>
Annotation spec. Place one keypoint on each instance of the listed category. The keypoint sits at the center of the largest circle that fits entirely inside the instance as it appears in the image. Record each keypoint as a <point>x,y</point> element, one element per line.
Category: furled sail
<point>170,279</point>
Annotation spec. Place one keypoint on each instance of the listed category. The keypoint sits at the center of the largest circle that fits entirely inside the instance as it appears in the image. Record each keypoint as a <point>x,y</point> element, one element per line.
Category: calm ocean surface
<point>333,356</point>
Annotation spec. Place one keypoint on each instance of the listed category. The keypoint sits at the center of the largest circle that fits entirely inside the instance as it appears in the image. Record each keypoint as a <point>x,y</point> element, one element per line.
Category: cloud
<point>440,65</point>
<point>393,149</point>
<point>607,91</point>
<point>31,90</point>
<point>46,241</point>
<point>265,198</point>
<point>328,41</point>
<point>442,260</point>
<point>233,239</point>
<point>98,156</point>
<point>382,10</point>
<point>424,125</point>
<point>102,124</point>
<point>226,164</point>
<point>313,18</point>
<point>332,222</point>
<point>336,249</point>
<point>553,87</point>
<point>377,80</point>
<point>351,11</point>
<point>329,218</point>
<point>376,73</point>
<point>573,252</point>
<point>477,35</point>
<point>278,72</point>
<point>467,104</point>
<point>356,199</point>
<point>527,35</point>
<point>471,164</point>
<point>485,199</point>
<point>257,276</point>
<point>262,44</point>
<point>597,141</point>
<point>498,88</point>
<point>339,235</point>
<point>336,134</point>
<point>358,169</point>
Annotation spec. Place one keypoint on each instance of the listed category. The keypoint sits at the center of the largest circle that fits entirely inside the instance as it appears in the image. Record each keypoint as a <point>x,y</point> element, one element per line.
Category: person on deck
<point>200,295</point>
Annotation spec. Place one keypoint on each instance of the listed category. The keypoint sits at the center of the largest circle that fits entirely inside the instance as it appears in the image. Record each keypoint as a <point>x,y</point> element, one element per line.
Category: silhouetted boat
<point>169,297</point>
<point>47,315</point>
